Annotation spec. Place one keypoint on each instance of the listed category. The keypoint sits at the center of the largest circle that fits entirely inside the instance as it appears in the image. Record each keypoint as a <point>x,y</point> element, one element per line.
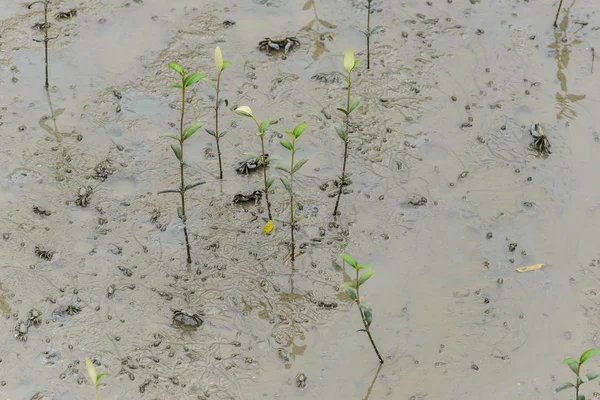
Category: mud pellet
<point>404,35</point>
<point>489,235</point>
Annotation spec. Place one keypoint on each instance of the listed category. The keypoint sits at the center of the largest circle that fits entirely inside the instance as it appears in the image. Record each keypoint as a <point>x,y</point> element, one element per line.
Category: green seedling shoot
<point>245,111</point>
<point>575,366</point>
<point>369,32</point>
<point>557,12</point>
<point>221,65</point>
<point>91,369</point>
<point>349,63</point>
<point>352,290</point>
<point>46,39</point>
<point>187,80</point>
<point>290,145</point>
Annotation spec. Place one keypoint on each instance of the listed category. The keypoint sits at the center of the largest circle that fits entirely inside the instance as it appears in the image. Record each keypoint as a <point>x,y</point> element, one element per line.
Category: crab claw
<point>288,46</point>
<point>274,46</point>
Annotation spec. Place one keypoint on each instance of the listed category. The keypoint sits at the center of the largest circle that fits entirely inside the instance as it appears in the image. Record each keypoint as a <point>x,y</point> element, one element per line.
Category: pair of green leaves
<point>214,134</point>
<point>353,104</point>
<point>187,80</point>
<point>575,366</point>
<point>187,133</point>
<point>374,31</point>
<point>94,376</point>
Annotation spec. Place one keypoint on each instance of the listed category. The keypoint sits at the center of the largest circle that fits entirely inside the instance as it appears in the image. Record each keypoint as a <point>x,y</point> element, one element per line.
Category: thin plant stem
<point>292,222</point>
<point>364,320</point>
<point>217,126</point>
<point>343,178</point>
<point>46,39</point>
<point>181,164</point>
<point>369,35</point>
<point>557,12</point>
<point>264,162</point>
<point>373,382</point>
<point>578,383</point>
<point>96,392</point>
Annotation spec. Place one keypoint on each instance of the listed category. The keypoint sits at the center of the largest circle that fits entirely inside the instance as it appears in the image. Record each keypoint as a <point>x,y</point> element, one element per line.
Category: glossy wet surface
<point>445,116</point>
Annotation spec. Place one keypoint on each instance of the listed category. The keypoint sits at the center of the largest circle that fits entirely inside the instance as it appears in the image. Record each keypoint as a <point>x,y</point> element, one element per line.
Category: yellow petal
<point>244,111</point>
<point>268,227</point>
<point>218,59</point>
<point>530,268</point>
<point>349,60</point>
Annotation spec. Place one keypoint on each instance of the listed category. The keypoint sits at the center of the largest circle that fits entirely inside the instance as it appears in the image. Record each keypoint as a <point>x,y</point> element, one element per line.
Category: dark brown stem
<point>557,12</point>
<point>182,179</point>
<point>292,222</point>
<point>369,35</point>
<point>46,84</point>
<point>578,383</point>
<point>217,126</point>
<point>343,177</point>
<point>365,321</point>
<point>264,161</point>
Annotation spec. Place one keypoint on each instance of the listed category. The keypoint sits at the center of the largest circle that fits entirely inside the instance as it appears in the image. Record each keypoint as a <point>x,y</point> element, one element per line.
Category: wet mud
<point>448,197</point>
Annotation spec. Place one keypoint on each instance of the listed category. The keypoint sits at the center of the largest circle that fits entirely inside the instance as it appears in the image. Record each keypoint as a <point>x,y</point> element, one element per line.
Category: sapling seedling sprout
<point>46,39</point>
<point>557,12</point>
<point>575,366</point>
<point>352,290</point>
<point>187,80</point>
<point>290,145</point>
<point>349,63</point>
<point>94,376</point>
<point>245,111</point>
<point>221,65</point>
<point>369,32</point>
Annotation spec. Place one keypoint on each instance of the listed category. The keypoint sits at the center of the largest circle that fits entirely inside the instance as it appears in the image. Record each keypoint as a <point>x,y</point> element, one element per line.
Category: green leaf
<point>583,378</point>
<point>308,5</point>
<point>286,184</point>
<point>222,134</point>
<point>207,80</point>
<point>218,59</point>
<point>177,68</point>
<point>190,80</point>
<point>364,266</point>
<point>341,133</point>
<point>210,132</point>
<point>190,130</point>
<point>564,386</point>
<point>349,290</point>
<point>342,110</point>
<point>176,85</point>
<point>354,104</point>
<point>298,130</point>
<point>365,306</point>
<point>377,29</point>
<point>350,260</point>
<point>264,125</point>
<point>273,158</point>
<point>101,375</point>
<point>368,316</point>
<point>355,63</point>
<point>193,185</point>
<point>226,64</point>
<point>581,397</point>
<point>169,135</point>
<point>283,168</point>
<point>299,164</point>
<point>349,60</point>
<point>270,181</point>
<point>592,376</point>
<point>365,276</point>
<point>244,111</point>
<point>587,355</point>
<point>91,369</point>
<point>573,367</point>
<point>176,150</point>
<point>569,360</point>
<point>286,143</point>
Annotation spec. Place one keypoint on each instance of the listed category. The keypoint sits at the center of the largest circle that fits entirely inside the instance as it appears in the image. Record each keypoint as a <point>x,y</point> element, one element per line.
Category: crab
<point>540,142</point>
<point>21,331</point>
<point>278,43</point>
<point>34,317</point>
<point>250,165</point>
<point>184,319</point>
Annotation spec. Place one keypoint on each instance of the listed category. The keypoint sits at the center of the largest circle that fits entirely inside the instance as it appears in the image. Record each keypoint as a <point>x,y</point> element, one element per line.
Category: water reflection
<point>316,23</point>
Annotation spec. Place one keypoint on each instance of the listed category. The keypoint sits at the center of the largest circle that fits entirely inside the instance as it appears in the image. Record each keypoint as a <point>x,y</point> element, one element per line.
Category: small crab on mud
<point>251,164</point>
<point>285,43</point>
<point>186,320</point>
<point>540,143</point>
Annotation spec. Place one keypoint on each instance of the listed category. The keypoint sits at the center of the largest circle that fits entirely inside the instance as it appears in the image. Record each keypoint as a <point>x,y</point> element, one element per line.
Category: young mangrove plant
<point>187,80</point>
<point>91,369</point>
<point>575,366</point>
<point>46,39</point>
<point>245,111</point>
<point>349,63</point>
<point>221,65</point>
<point>557,12</point>
<point>352,290</point>
<point>369,32</point>
<point>289,184</point>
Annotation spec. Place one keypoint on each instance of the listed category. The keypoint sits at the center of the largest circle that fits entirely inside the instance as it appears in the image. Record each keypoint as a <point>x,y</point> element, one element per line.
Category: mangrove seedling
<point>290,145</point>
<point>221,65</point>
<point>187,80</point>
<point>557,12</point>
<point>369,32</point>
<point>575,366</point>
<point>349,63</point>
<point>245,111</point>
<point>46,39</point>
<point>352,290</point>
<point>95,377</point>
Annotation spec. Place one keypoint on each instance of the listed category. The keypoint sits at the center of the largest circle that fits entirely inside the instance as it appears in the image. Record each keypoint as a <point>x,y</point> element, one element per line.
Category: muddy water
<point>444,115</point>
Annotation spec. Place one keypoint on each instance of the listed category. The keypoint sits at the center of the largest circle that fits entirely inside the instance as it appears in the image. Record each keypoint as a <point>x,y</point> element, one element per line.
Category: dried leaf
<point>530,268</point>
<point>268,228</point>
